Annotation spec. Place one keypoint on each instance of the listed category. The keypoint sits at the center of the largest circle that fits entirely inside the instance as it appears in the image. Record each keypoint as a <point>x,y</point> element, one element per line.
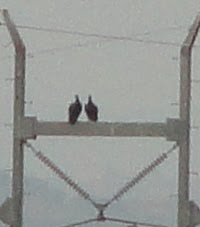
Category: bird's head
<point>77,98</point>
<point>89,98</point>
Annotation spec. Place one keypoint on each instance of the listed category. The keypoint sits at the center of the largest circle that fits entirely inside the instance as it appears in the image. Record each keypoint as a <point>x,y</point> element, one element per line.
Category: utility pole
<point>176,129</point>
<point>18,155</point>
<point>184,114</point>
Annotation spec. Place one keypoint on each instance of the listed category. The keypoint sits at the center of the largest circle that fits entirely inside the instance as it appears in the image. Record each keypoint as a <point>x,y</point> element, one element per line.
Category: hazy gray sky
<point>130,81</point>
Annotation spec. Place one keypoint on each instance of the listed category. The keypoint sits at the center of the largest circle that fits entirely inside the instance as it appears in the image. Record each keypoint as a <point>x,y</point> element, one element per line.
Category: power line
<point>96,35</point>
<point>117,220</point>
<point>77,45</point>
<point>31,54</point>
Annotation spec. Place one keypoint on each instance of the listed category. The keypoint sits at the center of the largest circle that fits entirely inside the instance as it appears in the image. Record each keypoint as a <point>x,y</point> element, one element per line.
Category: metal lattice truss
<point>85,195</point>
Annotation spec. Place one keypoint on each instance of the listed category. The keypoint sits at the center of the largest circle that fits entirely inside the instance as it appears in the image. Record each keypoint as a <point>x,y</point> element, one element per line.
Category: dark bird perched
<point>74,110</point>
<point>91,110</point>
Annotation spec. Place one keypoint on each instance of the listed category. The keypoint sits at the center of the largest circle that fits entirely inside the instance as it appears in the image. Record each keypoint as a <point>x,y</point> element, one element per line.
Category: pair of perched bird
<point>76,107</point>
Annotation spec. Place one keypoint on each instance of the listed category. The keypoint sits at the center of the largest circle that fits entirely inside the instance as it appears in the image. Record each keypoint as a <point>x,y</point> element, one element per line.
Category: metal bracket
<point>100,208</point>
<point>176,129</point>
<point>28,128</point>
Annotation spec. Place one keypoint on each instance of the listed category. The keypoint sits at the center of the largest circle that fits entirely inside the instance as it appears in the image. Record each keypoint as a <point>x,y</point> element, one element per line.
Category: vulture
<point>74,110</point>
<point>91,110</point>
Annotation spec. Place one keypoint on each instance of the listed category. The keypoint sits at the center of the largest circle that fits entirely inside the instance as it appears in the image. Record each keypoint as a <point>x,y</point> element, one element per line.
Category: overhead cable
<point>96,35</point>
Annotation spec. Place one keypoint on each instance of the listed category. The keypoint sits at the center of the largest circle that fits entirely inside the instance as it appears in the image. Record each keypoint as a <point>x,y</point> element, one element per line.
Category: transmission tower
<point>177,129</point>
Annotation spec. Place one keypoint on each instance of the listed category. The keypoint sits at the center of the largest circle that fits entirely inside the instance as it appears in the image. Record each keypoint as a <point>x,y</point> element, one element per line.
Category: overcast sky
<point>129,81</point>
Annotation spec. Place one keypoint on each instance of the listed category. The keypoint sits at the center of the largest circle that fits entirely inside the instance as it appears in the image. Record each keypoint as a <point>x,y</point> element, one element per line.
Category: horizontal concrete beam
<point>100,129</point>
<point>31,128</point>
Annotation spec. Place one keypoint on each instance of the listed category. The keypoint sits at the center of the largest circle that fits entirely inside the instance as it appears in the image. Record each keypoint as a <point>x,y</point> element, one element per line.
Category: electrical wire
<point>117,220</point>
<point>82,222</point>
<point>78,45</point>
<point>96,35</point>
<point>132,222</point>
<point>31,54</point>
